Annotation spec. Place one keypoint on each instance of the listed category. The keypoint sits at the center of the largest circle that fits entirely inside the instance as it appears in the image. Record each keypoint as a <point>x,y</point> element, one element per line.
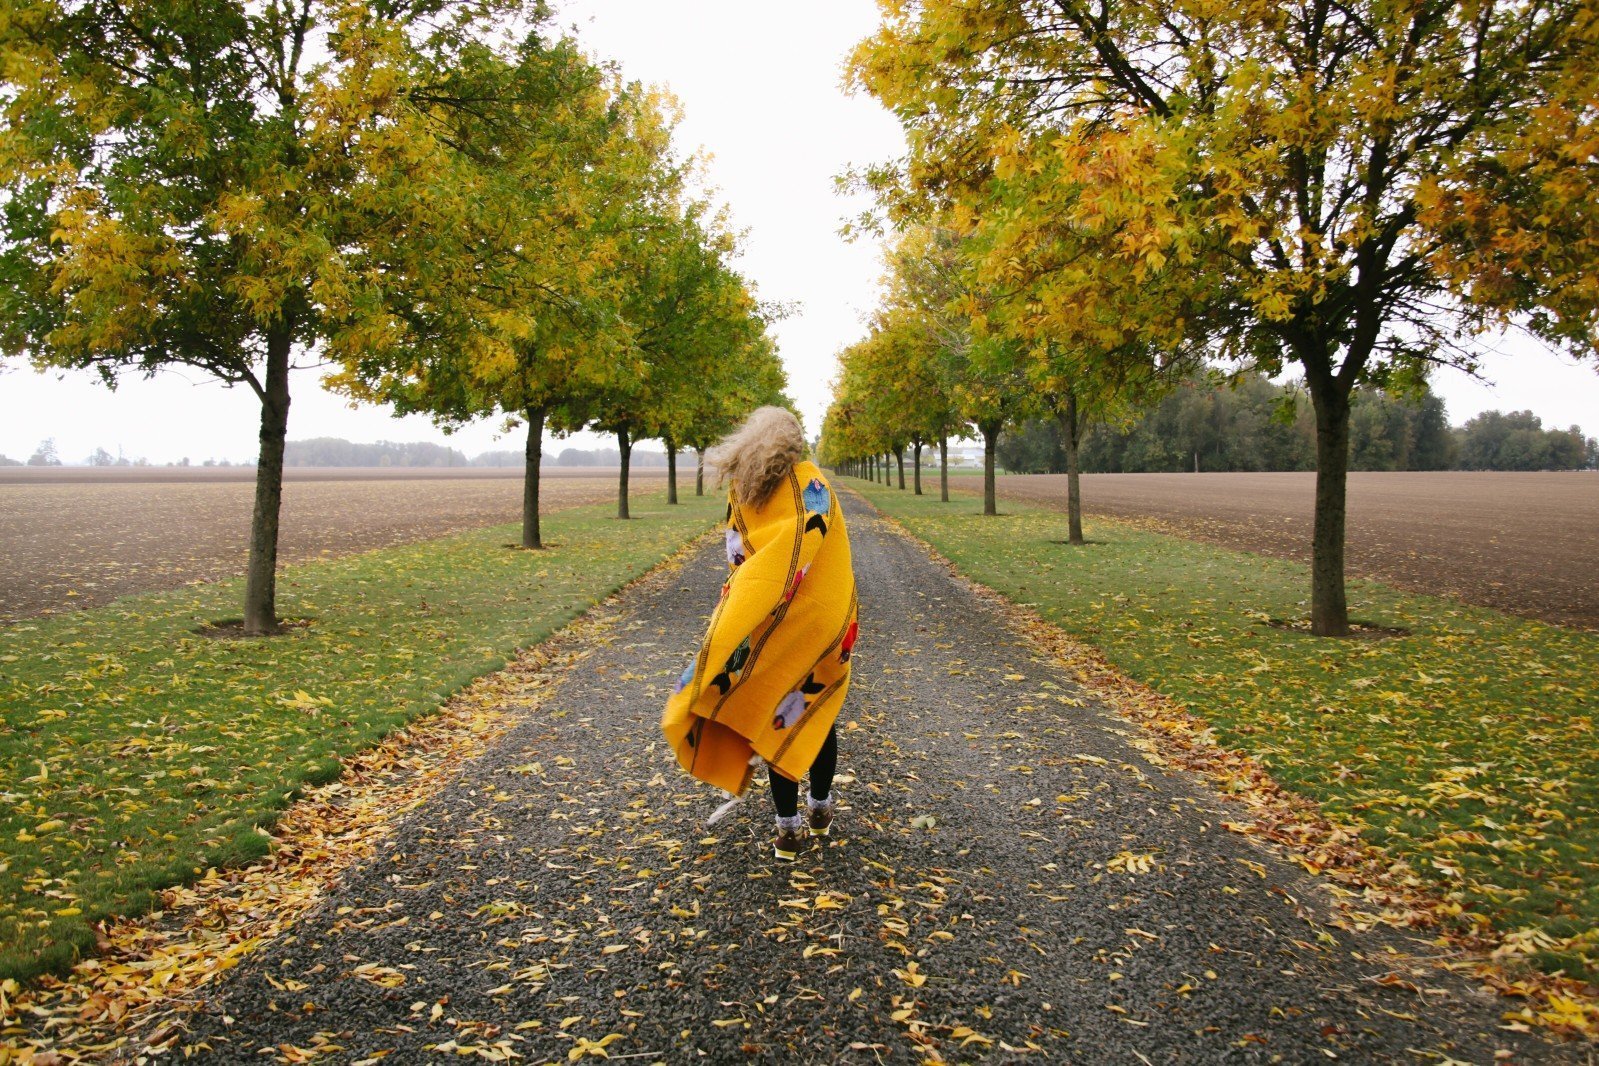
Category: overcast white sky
<point>759,84</point>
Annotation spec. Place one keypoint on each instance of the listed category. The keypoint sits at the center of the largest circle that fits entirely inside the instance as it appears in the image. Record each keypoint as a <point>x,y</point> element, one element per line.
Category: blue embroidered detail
<point>682,682</point>
<point>817,500</point>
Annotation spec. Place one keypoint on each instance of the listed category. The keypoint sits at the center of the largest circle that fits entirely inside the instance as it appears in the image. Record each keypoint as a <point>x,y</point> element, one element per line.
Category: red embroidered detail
<point>848,644</point>
<point>795,586</point>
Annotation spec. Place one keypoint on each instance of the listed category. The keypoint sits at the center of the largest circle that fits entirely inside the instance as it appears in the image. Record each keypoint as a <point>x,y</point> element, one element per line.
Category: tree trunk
<point>916,467</point>
<point>530,478</point>
<point>699,471</point>
<point>261,581</point>
<point>671,470</point>
<point>624,445</point>
<point>990,433</point>
<point>899,458</point>
<point>943,468</point>
<point>1329,607</point>
<point>1074,491</point>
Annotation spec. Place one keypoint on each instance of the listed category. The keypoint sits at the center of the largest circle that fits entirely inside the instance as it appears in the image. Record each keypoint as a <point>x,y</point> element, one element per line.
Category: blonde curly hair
<point>758,455</point>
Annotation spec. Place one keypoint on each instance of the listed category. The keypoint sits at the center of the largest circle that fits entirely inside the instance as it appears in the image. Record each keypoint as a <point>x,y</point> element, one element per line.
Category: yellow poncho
<point>773,668</point>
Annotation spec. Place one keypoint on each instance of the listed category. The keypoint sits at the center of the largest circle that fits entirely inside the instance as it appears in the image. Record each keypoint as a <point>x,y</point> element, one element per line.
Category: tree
<point>674,278</point>
<point>749,375</point>
<point>1033,447</point>
<point>555,161</point>
<point>1432,445</point>
<point>1517,441</point>
<point>976,374</point>
<point>714,360</point>
<point>220,186</point>
<point>45,454</point>
<point>1245,422</point>
<point>1306,184</point>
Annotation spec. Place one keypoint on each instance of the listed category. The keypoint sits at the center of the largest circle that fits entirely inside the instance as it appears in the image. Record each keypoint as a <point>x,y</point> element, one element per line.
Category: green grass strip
<point>1467,747</point>
<point>134,753</point>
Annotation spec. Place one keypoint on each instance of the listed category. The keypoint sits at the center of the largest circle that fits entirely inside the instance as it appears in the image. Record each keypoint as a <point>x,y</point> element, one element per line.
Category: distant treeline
<point>1258,425</point>
<point>333,451</point>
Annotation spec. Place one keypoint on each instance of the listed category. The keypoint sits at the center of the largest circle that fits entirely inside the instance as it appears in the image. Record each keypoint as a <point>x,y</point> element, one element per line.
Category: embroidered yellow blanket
<point>773,668</point>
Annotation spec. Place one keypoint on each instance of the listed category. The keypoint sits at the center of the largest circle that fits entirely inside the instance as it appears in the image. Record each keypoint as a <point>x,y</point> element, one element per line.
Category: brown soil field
<point>80,537</point>
<point>1521,543</point>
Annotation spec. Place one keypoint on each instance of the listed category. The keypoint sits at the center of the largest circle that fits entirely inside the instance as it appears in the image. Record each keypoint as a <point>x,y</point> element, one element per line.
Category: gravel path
<point>1007,874</point>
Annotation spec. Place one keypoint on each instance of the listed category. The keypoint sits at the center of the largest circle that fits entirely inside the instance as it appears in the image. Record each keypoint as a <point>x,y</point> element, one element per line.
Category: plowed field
<point>78,538</point>
<point>1523,543</point>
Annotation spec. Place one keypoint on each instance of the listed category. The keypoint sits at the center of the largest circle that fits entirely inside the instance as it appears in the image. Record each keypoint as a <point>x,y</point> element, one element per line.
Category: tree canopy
<point>1359,189</point>
<point>445,199</point>
<point>222,187</point>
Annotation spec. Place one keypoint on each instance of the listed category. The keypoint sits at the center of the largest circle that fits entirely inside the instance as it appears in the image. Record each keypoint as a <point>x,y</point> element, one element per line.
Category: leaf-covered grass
<point>135,753</point>
<point>1467,747</point>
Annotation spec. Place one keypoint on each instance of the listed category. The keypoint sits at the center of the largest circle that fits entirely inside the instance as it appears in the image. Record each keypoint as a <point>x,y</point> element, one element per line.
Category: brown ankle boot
<point>820,815</point>
<point>789,843</point>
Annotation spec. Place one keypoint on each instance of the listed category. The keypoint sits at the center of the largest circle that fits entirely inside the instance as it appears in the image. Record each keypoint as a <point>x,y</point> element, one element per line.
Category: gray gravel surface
<point>1007,874</point>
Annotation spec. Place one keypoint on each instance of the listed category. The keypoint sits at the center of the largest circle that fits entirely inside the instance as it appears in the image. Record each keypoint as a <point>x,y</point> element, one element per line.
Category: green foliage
<point>552,162</point>
<point>1033,447</point>
<point>137,752</point>
<point>1359,189</point>
<point>699,334</point>
<point>1463,747</point>
<point>184,181</point>
<point>1251,424</point>
<point>222,186</point>
<point>1518,441</point>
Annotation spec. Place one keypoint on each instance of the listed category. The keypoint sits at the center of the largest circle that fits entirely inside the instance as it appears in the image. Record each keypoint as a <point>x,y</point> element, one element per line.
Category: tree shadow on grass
<point>1357,630</point>
<point>233,629</point>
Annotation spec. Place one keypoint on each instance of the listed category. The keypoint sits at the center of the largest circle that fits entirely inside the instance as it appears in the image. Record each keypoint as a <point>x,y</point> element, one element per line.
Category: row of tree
<point>337,452</point>
<point>1098,198</point>
<point>46,454</point>
<point>1254,424</point>
<point>452,205</point>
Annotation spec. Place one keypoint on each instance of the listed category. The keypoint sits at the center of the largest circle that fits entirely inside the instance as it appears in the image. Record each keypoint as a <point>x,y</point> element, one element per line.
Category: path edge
<point>132,995</point>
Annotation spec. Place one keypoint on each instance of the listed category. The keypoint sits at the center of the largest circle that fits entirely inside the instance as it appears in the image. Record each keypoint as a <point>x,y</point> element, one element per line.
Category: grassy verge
<point>1465,747</point>
<point>135,753</point>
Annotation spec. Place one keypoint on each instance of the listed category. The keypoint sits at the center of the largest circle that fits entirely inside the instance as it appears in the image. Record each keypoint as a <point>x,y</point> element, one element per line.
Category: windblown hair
<point>758,455</point>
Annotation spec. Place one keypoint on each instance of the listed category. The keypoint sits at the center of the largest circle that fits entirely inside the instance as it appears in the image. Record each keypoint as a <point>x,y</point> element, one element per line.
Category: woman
<point>773,668</point>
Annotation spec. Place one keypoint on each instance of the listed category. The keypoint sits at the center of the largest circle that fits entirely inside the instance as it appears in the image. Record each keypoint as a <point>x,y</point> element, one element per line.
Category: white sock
<point>796,822</point>
<point>812,802</point>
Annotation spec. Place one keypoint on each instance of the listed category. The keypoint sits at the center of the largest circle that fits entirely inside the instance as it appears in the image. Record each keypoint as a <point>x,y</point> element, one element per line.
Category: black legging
<point>785,793</point>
